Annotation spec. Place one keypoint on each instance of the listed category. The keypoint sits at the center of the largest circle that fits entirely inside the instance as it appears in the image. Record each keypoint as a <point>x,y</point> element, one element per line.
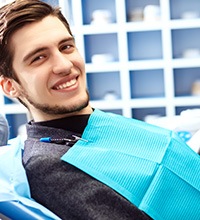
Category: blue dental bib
<point>148,165</point>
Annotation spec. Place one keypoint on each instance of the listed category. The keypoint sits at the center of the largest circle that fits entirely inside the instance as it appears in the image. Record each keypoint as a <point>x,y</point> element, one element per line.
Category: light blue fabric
<point>13,181</point>
<point>148,165</point>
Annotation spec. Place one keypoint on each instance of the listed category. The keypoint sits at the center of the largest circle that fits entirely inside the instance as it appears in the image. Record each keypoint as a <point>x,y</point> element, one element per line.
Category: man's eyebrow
<point>32,53</point>
<point>67,39</point>
<point>38,50</point>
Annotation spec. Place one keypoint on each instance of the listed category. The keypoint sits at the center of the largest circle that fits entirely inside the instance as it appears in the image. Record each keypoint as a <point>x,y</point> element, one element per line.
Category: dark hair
<point>15,15</point>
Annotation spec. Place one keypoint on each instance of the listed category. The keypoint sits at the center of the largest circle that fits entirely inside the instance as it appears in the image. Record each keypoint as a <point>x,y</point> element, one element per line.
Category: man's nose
<point>61,64</point>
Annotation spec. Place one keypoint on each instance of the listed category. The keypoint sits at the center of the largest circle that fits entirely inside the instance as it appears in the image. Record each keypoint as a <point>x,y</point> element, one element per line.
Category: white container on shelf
<point>152,13</point>
<point>191,53</point>
<point>101,17</point>
<point>190,15</point>
<point>102,58</point>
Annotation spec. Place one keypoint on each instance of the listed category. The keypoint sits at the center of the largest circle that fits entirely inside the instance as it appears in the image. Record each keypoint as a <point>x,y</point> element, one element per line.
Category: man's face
<point>50,70</point>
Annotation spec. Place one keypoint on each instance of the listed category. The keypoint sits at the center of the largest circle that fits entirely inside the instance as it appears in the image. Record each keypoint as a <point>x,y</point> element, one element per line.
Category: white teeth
<point>67,84</point>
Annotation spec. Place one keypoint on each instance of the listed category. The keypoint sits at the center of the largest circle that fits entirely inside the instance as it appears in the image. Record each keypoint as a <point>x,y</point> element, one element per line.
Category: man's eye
<point>37,58</point>
<point>66,47</point>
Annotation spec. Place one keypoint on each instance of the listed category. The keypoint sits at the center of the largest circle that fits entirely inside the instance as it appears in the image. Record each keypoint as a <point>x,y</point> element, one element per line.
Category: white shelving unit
<point>149,70</point>
<point>149,73</point>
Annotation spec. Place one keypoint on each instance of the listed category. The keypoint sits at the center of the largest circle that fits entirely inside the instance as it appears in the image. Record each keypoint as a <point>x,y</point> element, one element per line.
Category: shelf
<point>89,15</point>
<point>143,26</point>
<point>107,66</point>
<point>185,63</point>
<point>184,9</point>
<point>14,109</point>
<point>104,85</point>
<point>184,24</point>
<point>149,41</point>
<point>144,113</point>
<point>188,101</point>
<point>96,29</point>
<point>108,44</point>
<point>146,64</point>
<point>147,83</point>
<point>147,102</point>
<point>112,104</point>
<point>187,46</point>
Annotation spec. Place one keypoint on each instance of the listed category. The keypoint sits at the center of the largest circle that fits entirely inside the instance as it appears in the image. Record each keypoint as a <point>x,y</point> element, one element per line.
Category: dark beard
<point>57,110</point>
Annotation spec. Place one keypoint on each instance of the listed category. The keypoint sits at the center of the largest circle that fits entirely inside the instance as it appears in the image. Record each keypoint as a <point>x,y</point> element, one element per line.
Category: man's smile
<point>67,84</point>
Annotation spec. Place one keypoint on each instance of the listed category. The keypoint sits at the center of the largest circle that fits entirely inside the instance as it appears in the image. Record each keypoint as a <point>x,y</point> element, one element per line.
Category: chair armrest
<point>16,210</point>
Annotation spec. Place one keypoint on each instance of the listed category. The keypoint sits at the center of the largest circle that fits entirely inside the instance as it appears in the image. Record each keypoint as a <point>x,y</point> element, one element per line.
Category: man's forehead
<point>44,33</point>
<point>42,28</point>
<point>45,24</point>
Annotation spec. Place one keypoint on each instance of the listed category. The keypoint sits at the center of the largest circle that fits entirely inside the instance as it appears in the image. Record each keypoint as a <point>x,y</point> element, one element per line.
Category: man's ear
<point>10,87</point>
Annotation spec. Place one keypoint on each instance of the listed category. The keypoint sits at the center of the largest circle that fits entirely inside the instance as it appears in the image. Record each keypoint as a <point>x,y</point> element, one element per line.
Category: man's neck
<point>42,117</point>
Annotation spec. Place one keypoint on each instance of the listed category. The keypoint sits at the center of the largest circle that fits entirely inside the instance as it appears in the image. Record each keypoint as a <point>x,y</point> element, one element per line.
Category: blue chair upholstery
<point>16,211</point>
<point>15,199</point>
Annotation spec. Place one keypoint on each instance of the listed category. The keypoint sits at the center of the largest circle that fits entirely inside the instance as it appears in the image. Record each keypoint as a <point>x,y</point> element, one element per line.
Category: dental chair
<point>17,211</point>
<point>15,200</point>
